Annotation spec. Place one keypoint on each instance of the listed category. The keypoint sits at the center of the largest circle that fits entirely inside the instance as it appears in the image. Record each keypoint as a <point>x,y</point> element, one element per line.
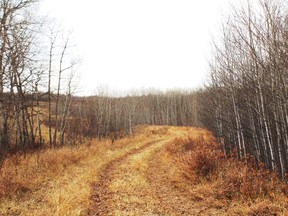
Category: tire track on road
<point>123,188</point>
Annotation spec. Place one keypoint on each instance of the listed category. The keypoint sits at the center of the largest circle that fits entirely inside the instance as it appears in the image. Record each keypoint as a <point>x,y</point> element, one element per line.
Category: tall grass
<point>217,178</point>
<point>22,173</point>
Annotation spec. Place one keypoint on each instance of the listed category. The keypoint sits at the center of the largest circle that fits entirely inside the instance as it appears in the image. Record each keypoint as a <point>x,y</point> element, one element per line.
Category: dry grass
<point>58,181</point>
<point>222,182</point>
<point>52,181</point>
<point>27,172</point>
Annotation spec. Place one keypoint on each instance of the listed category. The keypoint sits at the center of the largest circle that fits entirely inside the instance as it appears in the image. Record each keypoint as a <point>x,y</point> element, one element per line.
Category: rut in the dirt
<point>123,188</point>
<point>138,184</point>
<point>141,183</point>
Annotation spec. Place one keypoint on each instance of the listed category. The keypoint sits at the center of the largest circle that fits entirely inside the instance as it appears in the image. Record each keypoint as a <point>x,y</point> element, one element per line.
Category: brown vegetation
<point>58,181</point>
<point>183,168</point>
<point>237,186</point>
<point>23,173</point>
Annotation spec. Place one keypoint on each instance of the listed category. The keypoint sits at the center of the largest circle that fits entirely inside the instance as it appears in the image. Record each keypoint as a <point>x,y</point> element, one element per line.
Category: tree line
<point>107,116</point>
<point>248,94</point>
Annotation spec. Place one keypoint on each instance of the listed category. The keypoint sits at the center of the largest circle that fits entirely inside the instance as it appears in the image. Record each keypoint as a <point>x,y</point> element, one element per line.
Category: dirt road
<point>143,182</point>
<point>145,174</point>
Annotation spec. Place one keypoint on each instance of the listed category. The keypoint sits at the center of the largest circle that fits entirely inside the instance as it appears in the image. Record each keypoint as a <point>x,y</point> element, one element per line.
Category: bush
<point>201,163</point>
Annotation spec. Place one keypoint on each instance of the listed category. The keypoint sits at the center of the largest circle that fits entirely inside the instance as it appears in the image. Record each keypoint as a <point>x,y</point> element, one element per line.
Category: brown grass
<point>26,172</point>
<point>226,182</point>
<point>48,182</point>
<point>58,181</point>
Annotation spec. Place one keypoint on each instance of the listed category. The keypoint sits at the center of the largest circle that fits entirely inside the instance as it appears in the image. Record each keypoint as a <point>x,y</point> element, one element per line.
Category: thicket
<point>246,104</point>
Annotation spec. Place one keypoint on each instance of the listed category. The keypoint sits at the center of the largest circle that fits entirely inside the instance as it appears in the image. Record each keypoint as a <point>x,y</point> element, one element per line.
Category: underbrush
<point>238,186</point>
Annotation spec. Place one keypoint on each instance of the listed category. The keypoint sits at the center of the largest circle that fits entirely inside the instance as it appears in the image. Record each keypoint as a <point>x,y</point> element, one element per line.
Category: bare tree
<point>249,84</point>
<point>17,36</point>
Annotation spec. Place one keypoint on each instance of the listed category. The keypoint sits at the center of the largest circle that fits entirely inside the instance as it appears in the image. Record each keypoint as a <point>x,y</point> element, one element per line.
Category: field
<point>160,170</point>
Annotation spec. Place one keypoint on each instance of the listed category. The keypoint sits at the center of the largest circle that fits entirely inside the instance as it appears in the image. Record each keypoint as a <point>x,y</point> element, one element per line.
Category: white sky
<point>136,44</point>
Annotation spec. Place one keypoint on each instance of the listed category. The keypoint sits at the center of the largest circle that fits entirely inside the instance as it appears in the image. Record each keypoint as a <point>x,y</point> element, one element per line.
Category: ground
<point>143,174</point>
<point>145,182</point>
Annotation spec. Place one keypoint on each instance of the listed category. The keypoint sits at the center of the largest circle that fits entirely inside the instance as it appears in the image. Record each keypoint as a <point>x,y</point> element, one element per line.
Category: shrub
<point>201,163</point>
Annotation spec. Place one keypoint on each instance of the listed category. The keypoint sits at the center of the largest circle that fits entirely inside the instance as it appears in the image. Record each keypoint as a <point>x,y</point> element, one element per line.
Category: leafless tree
<point>249,84</point>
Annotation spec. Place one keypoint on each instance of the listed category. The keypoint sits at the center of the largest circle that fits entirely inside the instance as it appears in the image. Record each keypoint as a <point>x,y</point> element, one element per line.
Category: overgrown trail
<point>160,170</point>
<point>141,183</point>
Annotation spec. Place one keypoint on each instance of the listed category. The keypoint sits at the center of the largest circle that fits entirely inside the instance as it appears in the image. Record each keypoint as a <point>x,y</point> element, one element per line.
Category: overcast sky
<point>133,44</point>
